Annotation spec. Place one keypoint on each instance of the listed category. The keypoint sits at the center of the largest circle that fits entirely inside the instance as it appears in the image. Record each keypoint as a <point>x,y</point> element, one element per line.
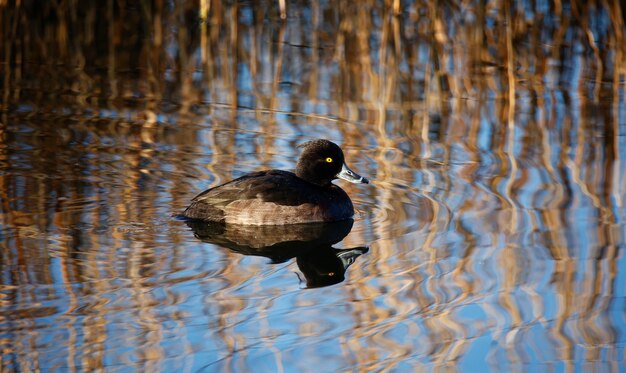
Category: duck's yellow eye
<point>329,160</point>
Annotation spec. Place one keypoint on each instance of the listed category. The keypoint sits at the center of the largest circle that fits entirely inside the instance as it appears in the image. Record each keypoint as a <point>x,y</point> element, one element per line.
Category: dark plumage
<point>280,197</point>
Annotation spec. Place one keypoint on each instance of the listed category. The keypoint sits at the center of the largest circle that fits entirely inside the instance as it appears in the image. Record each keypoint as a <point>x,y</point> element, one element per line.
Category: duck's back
<point>271,197</point>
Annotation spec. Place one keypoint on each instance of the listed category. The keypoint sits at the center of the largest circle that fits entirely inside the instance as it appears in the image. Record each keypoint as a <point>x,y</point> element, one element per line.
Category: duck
<point>277,197</point>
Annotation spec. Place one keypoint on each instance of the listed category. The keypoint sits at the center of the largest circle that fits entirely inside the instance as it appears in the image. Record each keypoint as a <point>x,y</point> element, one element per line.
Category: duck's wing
<point>276,186</point>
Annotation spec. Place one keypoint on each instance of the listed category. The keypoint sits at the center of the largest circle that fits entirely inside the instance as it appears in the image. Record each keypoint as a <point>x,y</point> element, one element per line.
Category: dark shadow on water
<point>311,245</point>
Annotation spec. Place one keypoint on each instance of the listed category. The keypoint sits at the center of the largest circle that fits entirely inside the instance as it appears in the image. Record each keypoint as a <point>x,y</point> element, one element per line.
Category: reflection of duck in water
<point>310,244</point>
<point>326,265</point>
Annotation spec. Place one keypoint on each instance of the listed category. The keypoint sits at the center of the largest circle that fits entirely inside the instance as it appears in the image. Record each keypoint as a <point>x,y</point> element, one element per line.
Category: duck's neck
<point>310,176</point>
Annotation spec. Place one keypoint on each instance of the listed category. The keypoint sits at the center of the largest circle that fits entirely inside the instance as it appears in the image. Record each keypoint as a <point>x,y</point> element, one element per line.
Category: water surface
<point>491,237</point>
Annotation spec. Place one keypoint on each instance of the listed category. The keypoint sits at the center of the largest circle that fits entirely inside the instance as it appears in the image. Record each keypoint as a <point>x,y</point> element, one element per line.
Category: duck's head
<point>322,161</point>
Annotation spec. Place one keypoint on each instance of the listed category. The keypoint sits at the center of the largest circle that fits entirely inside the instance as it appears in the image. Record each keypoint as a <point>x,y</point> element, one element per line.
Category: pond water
<point>491,236</point>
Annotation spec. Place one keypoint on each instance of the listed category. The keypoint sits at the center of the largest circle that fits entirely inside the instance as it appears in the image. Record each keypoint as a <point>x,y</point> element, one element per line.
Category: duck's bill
<point>351,176</point>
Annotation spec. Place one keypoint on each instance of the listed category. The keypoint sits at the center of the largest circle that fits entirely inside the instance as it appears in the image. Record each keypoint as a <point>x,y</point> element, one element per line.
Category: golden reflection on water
<point>494,134</point>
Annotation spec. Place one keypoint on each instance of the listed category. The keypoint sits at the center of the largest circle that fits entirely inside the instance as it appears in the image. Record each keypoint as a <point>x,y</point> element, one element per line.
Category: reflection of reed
<point>486,126</point>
